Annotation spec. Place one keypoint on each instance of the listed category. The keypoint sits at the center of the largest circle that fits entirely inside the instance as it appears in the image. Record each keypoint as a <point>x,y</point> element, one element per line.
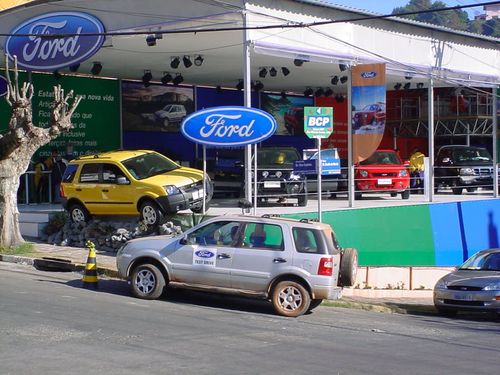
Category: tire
<point>394,194</point>
<point>147,282</point>
<point>471,189</point>
<point>348,267</point>
<point>78,213</point>
<point>290,298</point>
<point>199,209</point>
<point>450,313</point>
<point>457,190</point>
<point>358,196</point>
<point>315,303</point>
<point>405,194</point>
<point>151,214</point>
<point>302,199</point>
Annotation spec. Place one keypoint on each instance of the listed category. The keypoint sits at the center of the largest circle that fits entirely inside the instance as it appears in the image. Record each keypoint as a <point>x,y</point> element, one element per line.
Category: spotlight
<point>342,67</point>
<point>328,92</point>
<point>259,86</point>
<point>187,61</point>
<point>420,85</point>
<point>56,74</point>
<point>178,79</point>
<point>407,86</point>
<point>335,80</point>
<point>343,79</point>
<point>218,89</point>
<point>74,68</point>
<point>147,77</point>
<point>285,71</point>
<point>298,62</point>
<point>308,91</point>
<point>151,40</point>
<point>283,95</point>
<point>167,77</point>
<point>198,60</point>
<point>262,72</point>
<point>319,92</point>
<point>96,68</point>
<point>273,72</point>
<point>239,86</point>
<point>339,98</point>
<point>174,63</point>
<point>397,86</point>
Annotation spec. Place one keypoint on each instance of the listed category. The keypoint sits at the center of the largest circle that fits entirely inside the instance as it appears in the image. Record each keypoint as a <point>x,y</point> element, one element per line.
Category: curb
<point>54,264</point>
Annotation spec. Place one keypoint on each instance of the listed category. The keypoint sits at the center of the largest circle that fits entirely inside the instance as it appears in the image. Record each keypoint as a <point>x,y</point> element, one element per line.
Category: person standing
<point>40,180</point>
<point>417,172</point>
<point>56,175</point>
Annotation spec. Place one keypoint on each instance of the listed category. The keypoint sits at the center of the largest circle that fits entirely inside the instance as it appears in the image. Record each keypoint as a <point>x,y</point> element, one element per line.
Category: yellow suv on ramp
<point>129,183</point>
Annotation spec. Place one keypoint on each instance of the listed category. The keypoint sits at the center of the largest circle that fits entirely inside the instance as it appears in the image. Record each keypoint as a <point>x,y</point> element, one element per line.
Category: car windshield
<point>371,107</point>
<point>325,155</point>
<point>471,154</point>
<point>148,165</point>
<point>277,157</point>
<point>382,157</point>
<point>483,262</point>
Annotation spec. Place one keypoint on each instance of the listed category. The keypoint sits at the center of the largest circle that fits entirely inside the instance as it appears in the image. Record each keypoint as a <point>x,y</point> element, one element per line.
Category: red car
<point>382,171</point>
<point>370,115</point>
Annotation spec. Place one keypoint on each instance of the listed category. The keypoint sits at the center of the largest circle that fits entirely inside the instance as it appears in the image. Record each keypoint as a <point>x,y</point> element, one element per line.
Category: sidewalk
<point>53,258</point>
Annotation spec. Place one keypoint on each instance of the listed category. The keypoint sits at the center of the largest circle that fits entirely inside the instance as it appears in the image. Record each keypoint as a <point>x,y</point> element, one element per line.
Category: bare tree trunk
<point>9,220</point>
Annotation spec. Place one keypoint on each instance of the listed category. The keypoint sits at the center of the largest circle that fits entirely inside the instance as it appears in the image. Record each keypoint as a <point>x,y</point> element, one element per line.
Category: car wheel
<point>394,194</point>
<point>78,213</point>
<point>471,189</point>
<point>447,312</point>
<point>302,199</point>
<point>405,194</point>
<point>147,282</point>
<point>348,267</point>
<point>290,299</point>
<point>315,303</point>
<point>457,190</point>
<point>358,196</point>
<point>151,214</point>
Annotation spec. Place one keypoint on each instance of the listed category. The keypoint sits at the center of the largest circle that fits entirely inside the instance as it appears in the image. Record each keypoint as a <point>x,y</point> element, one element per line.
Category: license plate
<point>272,184</point>
<point>462,297</point>
<point>384,181</point>
<point>197,194</point>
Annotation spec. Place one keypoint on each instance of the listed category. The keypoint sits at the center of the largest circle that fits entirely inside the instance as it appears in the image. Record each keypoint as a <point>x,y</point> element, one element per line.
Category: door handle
<point>279,260</point>
<point>105,190</point>
<point>223,256</point>
<point>78,189</point>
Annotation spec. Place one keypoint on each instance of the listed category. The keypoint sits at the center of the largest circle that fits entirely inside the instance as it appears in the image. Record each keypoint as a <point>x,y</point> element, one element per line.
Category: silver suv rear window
<point>310,241</point>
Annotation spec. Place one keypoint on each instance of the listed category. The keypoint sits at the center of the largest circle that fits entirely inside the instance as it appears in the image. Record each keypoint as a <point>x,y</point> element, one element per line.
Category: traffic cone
<point>90,275</point>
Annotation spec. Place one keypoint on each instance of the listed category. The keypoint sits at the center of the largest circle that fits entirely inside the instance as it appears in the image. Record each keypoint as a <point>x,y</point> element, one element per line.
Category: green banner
<point>96,121</point>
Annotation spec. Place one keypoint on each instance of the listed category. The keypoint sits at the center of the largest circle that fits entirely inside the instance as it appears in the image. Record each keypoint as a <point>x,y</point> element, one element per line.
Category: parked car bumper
<point>187,199</point>
<point>466,300</point>
<point>280,187</point>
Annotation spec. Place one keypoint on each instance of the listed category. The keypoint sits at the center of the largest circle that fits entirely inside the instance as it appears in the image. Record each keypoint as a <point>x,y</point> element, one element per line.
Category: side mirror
<point>122,180</point>
<point>446,161</point>
<point>184,240</point>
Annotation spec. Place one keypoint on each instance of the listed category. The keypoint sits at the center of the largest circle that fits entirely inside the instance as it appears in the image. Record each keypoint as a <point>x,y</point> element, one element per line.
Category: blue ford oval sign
<point>368,74</point>
<point>3,86</point>
<point>229,126</point>
<point>35,52</point>
<point>204,254</point>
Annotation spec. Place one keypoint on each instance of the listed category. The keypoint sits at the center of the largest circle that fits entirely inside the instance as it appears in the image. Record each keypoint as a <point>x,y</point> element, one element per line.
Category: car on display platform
<point>383,171</point>
<point>463,167</point>
<point>474,286</point>
<point>276,177</point>
<point>229,168</point>
<point>129,183</point>
<point>295,264</point>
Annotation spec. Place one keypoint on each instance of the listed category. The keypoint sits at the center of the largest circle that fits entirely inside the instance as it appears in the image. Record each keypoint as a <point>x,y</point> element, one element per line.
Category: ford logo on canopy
<point>3,86</point>
<point>54,51</point>
<point>229,126</point>
<point>368,74</point>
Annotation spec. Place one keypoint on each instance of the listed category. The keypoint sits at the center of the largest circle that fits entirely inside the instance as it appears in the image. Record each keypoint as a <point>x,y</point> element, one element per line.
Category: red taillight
<point>325,267</point>
<point>61,191</point>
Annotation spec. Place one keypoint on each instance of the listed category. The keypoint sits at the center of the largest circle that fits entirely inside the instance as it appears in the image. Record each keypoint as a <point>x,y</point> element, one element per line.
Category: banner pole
<point>204,177</point>
<point>319,168</point>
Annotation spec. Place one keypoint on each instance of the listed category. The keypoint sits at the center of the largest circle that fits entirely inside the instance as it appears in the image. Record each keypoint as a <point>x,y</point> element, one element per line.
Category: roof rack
<point>309,220</point>
<point>271,215</point>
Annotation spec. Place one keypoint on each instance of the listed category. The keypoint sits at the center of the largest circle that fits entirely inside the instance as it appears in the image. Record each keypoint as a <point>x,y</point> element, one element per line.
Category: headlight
<point>363,173</point>
<point>493,286</point>
<point>172,189</point>
<point>441,284</point>
<point>403,173</point>
<point>265,174</point>
<point>467,171</point>
<point>279,174</point>
<point>294,177</point>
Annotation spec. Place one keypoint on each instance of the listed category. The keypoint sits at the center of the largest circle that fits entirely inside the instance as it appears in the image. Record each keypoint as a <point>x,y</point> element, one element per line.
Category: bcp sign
<point>318,122</point>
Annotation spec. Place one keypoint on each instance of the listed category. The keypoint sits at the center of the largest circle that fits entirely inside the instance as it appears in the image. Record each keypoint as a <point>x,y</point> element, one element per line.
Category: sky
<point>386,6</point>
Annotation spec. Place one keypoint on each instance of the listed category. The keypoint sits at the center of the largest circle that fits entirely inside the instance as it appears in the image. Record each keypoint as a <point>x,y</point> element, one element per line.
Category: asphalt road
<point>50,325</point>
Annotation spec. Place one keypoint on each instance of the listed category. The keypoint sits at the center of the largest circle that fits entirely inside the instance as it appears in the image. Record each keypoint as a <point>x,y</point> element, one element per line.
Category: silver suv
<point>296,264</point>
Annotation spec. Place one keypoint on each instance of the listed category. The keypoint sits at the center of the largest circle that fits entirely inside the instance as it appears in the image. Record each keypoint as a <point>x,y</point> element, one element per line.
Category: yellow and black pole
<point>90,275</point>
